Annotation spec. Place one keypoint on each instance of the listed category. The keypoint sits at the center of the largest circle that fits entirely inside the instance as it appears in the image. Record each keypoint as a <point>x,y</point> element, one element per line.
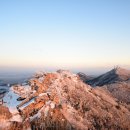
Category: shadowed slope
<point>113,76</point>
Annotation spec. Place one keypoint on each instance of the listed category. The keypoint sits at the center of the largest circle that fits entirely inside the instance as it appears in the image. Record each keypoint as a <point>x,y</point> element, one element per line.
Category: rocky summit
<point>62,101</point>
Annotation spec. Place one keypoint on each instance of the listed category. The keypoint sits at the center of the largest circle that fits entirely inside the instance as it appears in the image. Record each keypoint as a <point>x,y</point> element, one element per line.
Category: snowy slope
<point>10,100</point>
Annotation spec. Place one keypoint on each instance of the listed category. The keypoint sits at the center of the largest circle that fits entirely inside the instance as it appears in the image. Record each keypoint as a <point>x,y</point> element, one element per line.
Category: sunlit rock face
<point>60,100</point>
<point>4,116</point>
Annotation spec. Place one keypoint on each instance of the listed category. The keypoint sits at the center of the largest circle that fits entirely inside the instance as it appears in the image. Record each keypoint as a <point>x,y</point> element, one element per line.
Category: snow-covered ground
<point>10,100</point>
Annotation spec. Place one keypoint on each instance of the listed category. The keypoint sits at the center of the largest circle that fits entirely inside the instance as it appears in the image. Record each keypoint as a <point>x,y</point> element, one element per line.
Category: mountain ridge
<point>117,74</point>
<point>61,99</point>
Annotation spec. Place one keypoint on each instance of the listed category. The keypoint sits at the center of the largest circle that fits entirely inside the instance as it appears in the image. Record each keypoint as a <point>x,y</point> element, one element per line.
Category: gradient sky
<point>64,33</point>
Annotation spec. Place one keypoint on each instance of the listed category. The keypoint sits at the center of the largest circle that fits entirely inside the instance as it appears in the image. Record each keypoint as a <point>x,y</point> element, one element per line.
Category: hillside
<point>84,77</point>
<point>60,100</point>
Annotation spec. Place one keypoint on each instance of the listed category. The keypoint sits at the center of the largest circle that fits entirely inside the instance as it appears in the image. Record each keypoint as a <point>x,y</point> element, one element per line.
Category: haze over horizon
<point>70,34</point>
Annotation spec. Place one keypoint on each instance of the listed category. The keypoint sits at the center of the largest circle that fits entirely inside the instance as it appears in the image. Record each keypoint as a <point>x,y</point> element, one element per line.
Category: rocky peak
<point>122,72</point>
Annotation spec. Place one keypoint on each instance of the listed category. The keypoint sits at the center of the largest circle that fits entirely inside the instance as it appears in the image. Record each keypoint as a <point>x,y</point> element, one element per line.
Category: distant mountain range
<point>8,79</point>
<point>115,75</point>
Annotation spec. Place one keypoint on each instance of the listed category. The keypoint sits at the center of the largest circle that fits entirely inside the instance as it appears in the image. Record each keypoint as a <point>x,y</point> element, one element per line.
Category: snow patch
<point>10,100</point>
<point>52,105</point>
<point>46,111</point>
<point>17,118</point>
<point>42,94</point>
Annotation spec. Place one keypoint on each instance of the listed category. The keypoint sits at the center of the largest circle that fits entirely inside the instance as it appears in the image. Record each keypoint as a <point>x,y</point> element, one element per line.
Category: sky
<point>64,33</point>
